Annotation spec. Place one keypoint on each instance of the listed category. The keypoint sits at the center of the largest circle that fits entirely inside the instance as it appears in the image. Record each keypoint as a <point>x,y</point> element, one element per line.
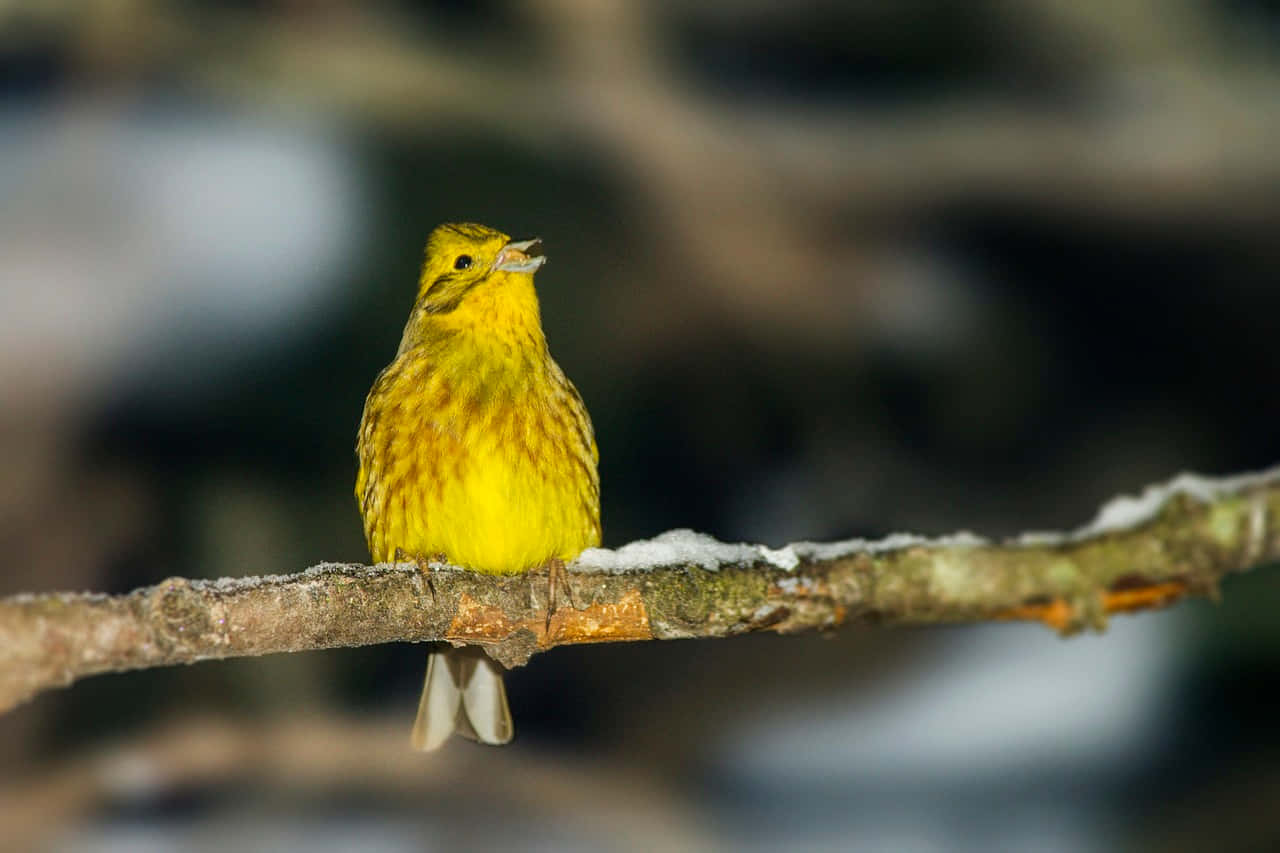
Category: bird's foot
<point>424,567</point>
<point>557,575</point>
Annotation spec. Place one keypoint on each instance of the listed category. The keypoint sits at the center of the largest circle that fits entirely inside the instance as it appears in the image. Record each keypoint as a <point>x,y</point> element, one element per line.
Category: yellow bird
<point>476,447</point>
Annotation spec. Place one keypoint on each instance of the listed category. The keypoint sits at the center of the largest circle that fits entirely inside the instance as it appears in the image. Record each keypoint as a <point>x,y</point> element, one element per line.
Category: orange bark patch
<point>624,619</point>
<point>1140,598</point>
<point>618,621</point>
<point>1058,614</point>
<point>477,621</point>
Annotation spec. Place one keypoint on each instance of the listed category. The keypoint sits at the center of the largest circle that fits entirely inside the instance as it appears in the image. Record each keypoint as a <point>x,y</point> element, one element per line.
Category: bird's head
<point>468,263</point>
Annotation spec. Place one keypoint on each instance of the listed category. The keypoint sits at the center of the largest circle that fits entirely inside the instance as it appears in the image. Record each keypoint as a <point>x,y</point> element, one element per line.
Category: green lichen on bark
<point>688,601</point>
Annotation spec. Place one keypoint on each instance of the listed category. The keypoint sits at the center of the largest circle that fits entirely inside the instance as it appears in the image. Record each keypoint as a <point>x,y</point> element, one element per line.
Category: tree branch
<point>1177,539</point>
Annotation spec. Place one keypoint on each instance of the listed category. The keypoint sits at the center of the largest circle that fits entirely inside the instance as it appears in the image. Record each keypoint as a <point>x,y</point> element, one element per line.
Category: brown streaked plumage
<point>474,445</point>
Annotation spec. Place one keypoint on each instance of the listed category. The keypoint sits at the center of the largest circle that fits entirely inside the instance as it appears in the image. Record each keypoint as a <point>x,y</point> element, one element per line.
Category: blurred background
<point>819,269</point>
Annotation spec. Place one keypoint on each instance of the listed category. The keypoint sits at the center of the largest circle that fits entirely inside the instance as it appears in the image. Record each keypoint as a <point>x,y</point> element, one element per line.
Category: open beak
<point>522,256</point>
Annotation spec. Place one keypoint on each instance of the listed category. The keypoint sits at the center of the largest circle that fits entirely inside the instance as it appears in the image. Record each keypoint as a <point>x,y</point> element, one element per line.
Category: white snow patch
<point>1127,512</point>
<point>248,582</point>
<point>892,542</point>
<point>783,558</point>
<point>688,547</point>
<point>683,546</point>
<point>226,585</point>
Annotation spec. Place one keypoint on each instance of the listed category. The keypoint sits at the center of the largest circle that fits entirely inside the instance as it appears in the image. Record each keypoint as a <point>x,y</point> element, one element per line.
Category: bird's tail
<point>463,693</point>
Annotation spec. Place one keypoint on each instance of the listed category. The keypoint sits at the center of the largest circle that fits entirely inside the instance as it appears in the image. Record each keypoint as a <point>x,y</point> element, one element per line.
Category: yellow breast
<point>488,461</point>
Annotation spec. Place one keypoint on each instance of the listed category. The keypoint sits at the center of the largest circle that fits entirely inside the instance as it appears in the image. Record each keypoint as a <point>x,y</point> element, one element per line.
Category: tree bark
<point>1177,540</point>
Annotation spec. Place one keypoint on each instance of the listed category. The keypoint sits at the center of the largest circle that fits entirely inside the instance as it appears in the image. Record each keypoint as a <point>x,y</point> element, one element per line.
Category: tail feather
<point>438,708</point>
<point>463,693</point>
<point>484,701</point>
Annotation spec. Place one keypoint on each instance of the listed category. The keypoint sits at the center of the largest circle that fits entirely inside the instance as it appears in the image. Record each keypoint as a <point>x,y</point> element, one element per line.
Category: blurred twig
<point>745,194</point>
<point>1177,540</point>
<point>621,811</point>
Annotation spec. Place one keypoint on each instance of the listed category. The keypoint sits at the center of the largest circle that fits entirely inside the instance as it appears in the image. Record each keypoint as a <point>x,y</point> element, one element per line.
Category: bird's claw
<point>424,568</point>
<point>557,573</point>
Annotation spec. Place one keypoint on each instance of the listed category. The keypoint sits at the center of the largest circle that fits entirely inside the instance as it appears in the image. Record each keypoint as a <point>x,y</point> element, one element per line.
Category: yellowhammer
<point>474,446</point>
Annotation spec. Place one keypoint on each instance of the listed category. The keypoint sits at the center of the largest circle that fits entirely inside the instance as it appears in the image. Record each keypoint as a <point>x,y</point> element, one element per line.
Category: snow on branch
<point>1175,540</point>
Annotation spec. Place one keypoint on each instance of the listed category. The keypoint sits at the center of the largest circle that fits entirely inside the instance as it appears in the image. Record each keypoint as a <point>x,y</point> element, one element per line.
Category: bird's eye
<point>462,262</point>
